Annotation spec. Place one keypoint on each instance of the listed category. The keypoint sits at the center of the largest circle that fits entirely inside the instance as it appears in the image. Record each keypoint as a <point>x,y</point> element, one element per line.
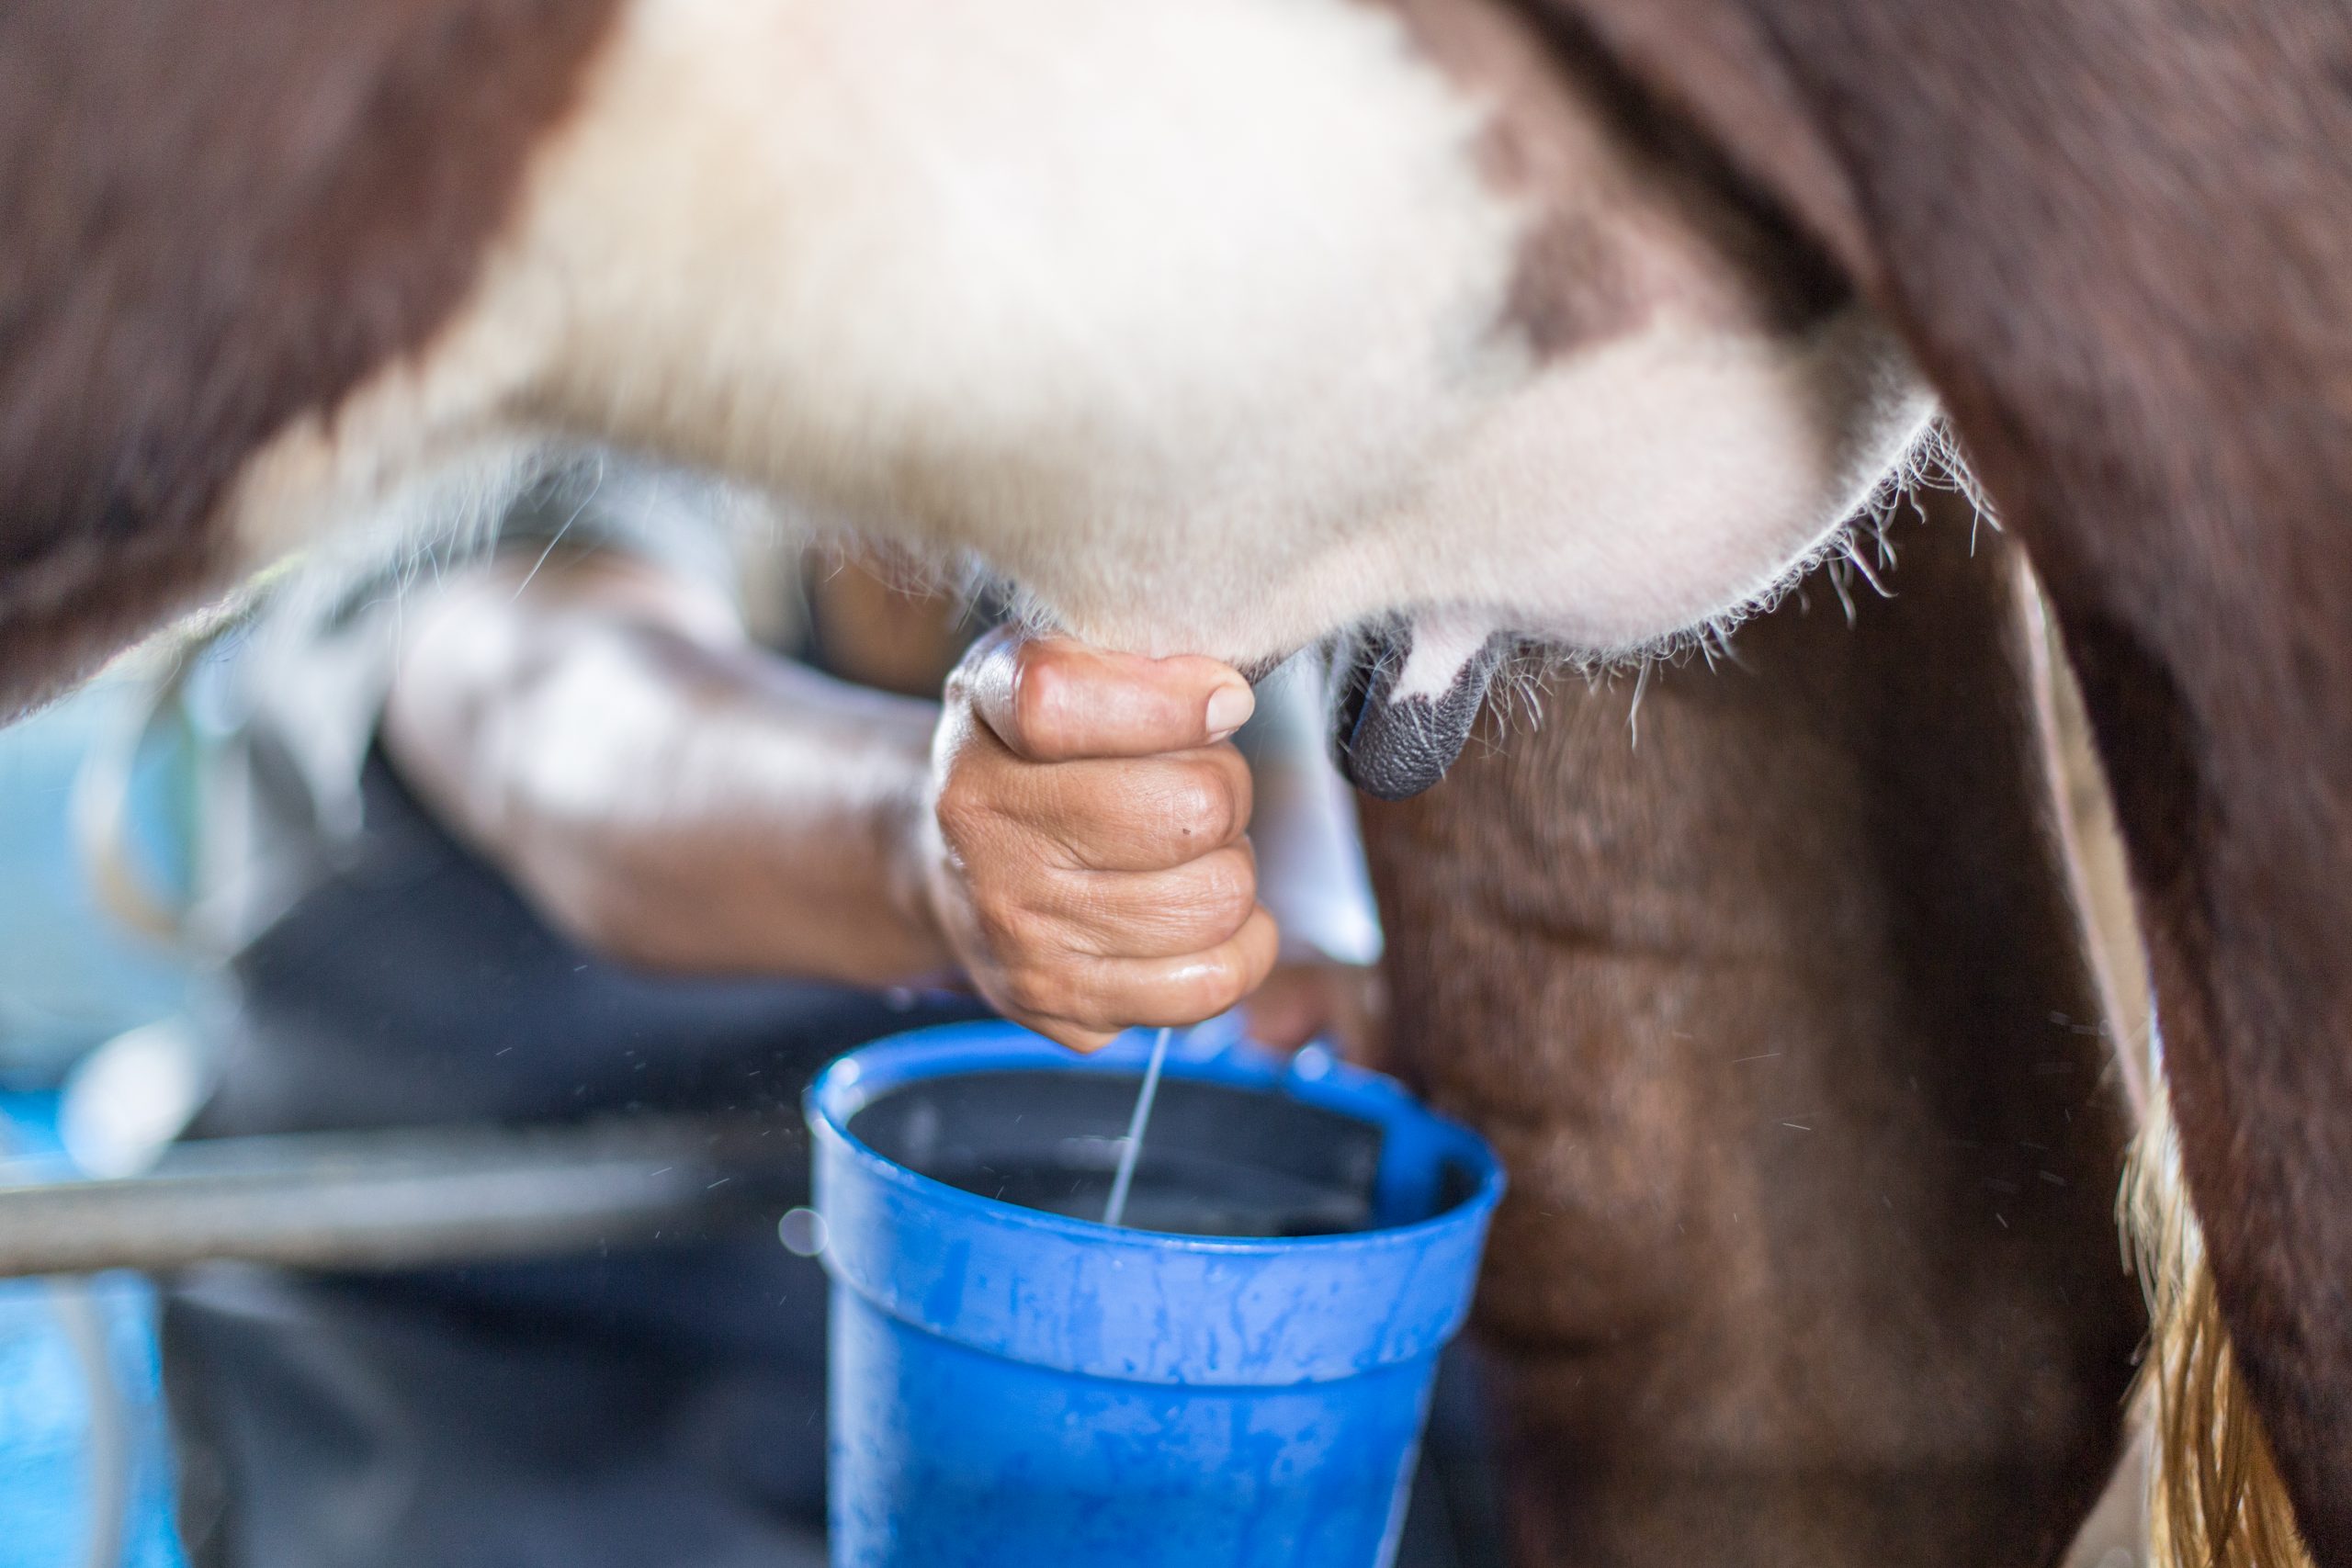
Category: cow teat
<point>1405,695</point>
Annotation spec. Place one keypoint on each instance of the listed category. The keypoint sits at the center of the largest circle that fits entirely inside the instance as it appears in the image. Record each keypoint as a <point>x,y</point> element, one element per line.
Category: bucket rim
<point>851,1082</point>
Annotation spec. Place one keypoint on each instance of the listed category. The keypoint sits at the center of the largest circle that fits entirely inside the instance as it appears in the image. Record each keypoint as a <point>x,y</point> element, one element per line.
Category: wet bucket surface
<point>1237,1378</point>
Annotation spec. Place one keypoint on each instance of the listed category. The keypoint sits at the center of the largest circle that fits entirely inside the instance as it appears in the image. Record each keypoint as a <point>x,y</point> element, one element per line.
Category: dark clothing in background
<point>648,1408</point>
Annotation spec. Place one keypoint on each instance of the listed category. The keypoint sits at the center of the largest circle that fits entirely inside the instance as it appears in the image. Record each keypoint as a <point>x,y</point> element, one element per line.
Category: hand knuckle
<point>968,808</point>
<point>1024,990</point>
<point>1042,990</point>
<point>1217,901</point>
<point>1212,987</point>
<point>1203,808</point>
<point>962,808</point>
<point>1040,694</point>
<point>1009,929</point>
<point>1227,894</point>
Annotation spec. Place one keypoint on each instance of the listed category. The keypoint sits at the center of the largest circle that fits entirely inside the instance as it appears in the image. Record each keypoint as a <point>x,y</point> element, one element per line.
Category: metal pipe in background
<point>408,1198</point>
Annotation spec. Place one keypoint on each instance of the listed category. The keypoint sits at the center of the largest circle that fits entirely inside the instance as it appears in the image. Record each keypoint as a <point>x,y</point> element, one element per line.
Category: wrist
<point>910,878</point>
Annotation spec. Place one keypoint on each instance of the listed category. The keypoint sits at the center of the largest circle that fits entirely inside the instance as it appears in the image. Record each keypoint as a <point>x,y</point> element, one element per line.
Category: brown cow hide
<point>2119,238</point>
<point>222,214</point>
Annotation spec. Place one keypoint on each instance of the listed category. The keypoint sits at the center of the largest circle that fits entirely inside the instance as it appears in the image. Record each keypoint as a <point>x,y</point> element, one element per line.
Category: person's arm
<point>657,786</point>
<point>1068,832</point>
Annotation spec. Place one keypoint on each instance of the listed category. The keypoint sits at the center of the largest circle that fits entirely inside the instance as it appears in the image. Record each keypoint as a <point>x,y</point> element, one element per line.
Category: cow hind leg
<point>1774,994</point>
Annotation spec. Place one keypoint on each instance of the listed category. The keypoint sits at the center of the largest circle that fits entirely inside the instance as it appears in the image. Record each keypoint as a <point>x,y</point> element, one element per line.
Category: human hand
<point>1086,856</point>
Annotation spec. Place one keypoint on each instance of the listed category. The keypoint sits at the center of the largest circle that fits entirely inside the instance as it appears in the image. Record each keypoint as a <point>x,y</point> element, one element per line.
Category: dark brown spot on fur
<point>1629,211</point>
<point>1789,282</point>
<point>220,214</point>
<point>1566,289</point>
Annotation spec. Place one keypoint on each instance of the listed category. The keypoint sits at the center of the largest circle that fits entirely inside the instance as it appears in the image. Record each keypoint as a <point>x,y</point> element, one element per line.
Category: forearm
<point>660,788</point>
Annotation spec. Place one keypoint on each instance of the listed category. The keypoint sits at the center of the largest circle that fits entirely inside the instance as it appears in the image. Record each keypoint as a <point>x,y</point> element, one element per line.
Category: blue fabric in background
<point>46,1454</point>
<point>70,977</point>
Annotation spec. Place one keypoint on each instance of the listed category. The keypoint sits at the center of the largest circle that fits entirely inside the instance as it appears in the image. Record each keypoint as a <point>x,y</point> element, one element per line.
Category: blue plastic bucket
<point>1017,1388</point>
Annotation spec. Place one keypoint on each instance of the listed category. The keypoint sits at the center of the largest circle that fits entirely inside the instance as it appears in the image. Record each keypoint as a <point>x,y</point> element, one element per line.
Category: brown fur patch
<point>1630,212</point>
<point>222,214</point>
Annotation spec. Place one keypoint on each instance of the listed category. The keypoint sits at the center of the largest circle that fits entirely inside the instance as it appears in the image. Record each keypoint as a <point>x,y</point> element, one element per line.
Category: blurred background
<point>85,1474</point>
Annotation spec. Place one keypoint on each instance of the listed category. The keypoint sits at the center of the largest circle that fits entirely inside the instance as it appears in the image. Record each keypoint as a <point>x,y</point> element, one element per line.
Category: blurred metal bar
<point>414,1197</point>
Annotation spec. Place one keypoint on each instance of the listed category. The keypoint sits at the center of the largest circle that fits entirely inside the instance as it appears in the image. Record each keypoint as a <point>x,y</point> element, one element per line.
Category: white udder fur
<point>1188,316</point>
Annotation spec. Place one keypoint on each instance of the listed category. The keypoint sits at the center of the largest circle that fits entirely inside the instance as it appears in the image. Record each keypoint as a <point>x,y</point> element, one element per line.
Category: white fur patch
<point>1186,315</point>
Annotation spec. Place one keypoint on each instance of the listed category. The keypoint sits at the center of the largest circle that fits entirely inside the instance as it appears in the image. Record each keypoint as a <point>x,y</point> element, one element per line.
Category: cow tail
<point>2215,1499</point>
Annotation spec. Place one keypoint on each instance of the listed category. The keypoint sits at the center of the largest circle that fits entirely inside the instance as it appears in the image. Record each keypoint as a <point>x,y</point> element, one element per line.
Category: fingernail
<point>1229,708</point>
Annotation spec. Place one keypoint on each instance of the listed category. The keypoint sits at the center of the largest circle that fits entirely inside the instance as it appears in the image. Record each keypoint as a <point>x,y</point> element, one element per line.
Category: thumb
<point>1054,700</point>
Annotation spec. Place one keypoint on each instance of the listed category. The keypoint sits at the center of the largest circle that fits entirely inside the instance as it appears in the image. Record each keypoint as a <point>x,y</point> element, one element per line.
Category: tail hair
<point>2215,1497</point>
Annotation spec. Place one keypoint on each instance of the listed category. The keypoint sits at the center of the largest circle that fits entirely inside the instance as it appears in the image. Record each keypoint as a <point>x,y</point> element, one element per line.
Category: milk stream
<point>1131,1150</point>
